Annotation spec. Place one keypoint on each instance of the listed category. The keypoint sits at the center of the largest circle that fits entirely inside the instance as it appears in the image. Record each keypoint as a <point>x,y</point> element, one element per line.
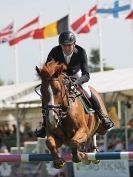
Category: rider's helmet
<point>67,37</point>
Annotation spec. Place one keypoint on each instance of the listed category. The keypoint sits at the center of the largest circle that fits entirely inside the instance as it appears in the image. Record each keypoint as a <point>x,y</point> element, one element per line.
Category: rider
<point>75,58</point>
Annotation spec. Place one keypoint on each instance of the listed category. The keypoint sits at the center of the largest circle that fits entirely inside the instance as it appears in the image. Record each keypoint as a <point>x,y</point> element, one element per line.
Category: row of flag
<point>81,25</point>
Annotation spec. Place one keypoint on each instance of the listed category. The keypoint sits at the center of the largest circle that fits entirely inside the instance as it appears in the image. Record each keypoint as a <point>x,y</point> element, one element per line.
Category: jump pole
<point>67,157</point>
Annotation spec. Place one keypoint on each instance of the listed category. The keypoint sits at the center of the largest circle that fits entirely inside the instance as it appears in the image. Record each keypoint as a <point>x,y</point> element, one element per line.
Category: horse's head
<point>53,92</point>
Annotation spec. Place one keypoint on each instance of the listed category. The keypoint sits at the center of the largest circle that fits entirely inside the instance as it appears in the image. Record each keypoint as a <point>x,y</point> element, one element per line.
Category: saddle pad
<point>85,104</point>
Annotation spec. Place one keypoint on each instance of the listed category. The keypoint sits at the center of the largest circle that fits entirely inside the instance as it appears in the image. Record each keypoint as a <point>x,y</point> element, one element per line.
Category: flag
<point>6,33</point>
<point>84,23</point>
<point>53,29</point>
<point>130,15</point>
<point>24,32</point>
<point>114,8</point>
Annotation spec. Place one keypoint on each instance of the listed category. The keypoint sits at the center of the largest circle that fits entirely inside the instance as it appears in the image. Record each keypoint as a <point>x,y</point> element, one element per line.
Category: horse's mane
<point>50,68</point>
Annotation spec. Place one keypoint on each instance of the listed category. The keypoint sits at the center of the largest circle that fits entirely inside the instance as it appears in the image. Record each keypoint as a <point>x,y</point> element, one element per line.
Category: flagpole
<point>100,44</point>
<point>41,43</point>
<point>131,4</point>
<point>100,41</point>
<point>16,64</point>
<point>41,51</point>
<point>16,59</point>
<point>69,13</point>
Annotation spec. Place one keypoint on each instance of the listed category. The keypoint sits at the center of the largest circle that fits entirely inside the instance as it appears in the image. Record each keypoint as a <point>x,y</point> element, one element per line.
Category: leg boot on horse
<point>99,107</point>
<point>41,131</point>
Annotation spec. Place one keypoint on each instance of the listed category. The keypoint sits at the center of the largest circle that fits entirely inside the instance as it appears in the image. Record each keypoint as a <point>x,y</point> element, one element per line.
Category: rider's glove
<point>66,82</point>
<point>76,83</point>
<point>73,78</point>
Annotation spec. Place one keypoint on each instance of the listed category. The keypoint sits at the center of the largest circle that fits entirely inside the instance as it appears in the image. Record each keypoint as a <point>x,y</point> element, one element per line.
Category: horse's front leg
<point>53,144</point>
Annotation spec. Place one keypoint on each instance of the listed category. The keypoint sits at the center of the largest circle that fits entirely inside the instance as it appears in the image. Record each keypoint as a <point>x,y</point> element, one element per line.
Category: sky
<point>116,41</point>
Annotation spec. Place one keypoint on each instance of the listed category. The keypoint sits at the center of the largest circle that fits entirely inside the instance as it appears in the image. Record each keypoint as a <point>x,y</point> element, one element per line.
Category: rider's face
<point>68,48</point>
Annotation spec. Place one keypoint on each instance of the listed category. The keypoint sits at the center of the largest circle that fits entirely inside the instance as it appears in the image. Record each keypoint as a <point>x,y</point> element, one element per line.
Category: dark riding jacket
<point>78,62</point>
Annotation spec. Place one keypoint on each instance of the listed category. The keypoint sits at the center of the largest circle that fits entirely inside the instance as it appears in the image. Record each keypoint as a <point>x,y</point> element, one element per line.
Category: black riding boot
<point>106,121</point>
<point>41,131</point>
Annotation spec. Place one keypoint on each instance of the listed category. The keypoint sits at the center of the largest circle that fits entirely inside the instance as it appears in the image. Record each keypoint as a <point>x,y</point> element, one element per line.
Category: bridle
<point>60,110</point>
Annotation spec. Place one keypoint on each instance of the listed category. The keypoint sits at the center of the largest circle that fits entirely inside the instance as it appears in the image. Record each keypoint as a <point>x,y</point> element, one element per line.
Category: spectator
<point>14,129</point>
<point>4,149</point>
<point>112,141</point>
<point>27,131</point>
<point>118,145</point>
<point>7,130</point>
<point>130,123</point>
<point>101,146</point>
<point>130,148</point>
<point>130,144</point>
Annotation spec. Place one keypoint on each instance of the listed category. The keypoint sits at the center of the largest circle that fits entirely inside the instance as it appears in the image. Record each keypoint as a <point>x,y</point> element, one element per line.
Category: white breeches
<point>85,85</point>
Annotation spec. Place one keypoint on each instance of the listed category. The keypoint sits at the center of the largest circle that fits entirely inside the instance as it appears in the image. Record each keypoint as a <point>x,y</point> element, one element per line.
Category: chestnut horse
<point>66,120</point>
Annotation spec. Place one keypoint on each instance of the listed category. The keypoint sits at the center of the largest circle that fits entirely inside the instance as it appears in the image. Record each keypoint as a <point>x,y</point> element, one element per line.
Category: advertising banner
<point>109,168</point>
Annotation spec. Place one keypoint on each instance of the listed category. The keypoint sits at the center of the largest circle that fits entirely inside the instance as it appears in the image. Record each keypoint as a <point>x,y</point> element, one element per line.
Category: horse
<point>67,122</point>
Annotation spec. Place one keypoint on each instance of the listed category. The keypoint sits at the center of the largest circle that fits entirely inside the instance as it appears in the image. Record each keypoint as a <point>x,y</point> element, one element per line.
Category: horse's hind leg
<point>95,148</point>
<point>79,138</point>
<point>52,144</point>
<point>94,144</point>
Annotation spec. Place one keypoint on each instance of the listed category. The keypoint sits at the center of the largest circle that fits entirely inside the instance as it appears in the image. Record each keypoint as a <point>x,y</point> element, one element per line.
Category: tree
<point>95,61</point>
<point>95,57</point>
<point>1,82</point>
<point>9,82</point>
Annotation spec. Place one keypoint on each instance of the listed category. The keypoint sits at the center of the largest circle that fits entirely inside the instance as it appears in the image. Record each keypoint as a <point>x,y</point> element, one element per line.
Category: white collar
<point>67,56</point>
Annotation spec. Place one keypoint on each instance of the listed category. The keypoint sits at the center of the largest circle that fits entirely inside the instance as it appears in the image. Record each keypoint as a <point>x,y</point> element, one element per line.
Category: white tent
<point>120,80</point>
<point>10,93</point>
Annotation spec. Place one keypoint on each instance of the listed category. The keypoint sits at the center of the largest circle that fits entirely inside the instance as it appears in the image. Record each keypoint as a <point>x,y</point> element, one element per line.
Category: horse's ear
<point>61,67</point>
<point>38,71</point>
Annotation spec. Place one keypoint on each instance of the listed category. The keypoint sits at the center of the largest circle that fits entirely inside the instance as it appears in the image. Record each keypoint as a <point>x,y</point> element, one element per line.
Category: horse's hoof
<point>76,159</point>
<point>59,163</point>
<point>95,161</point>
<point>87,162</point>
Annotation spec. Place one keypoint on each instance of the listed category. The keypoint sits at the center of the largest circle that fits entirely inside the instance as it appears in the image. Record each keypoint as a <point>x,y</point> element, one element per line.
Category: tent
<point>118,81</point>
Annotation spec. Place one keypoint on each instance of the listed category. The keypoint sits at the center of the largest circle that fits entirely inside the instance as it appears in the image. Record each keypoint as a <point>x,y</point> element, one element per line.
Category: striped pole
<point>67,157</point>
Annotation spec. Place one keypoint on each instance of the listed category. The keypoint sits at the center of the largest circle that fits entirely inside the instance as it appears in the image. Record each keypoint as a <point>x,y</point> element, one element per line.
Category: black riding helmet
<point>67,37</point>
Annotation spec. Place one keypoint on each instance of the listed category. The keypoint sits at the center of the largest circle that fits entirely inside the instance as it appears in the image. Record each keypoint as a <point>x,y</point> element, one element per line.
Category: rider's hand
<point>66,82</point>
<point>73,78</point>
<point>76,84</point>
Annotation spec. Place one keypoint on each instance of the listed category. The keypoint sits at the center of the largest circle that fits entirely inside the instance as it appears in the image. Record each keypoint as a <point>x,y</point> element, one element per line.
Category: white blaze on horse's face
<point>52,115</point>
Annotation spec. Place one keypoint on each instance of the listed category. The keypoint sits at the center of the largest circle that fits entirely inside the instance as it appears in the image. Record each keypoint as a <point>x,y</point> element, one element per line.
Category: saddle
<point>80,93</point>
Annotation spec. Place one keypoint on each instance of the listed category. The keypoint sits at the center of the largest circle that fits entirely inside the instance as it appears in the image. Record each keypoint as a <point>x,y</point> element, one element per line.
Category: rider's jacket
<point>78,61</point>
